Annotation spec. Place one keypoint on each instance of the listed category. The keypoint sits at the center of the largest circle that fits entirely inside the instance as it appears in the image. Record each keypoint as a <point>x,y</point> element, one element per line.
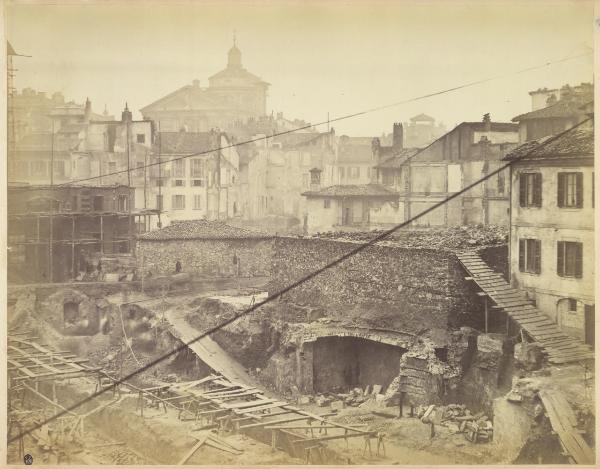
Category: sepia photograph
<point>298,232</point>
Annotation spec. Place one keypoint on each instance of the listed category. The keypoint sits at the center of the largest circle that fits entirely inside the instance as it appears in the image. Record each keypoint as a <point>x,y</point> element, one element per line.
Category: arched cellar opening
<point>343,363</point>
<point>70,313</point>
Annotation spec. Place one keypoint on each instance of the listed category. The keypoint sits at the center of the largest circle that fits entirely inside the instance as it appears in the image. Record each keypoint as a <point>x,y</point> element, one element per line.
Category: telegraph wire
<point>304,279</point>
<point>336,119</point>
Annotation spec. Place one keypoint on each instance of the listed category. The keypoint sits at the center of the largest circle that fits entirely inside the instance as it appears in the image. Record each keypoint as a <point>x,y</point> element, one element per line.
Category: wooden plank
<point>246,411</point>
<point>191,452</point>
<point>284,420</point>
<point>332,437</point>
<point>254,403</point>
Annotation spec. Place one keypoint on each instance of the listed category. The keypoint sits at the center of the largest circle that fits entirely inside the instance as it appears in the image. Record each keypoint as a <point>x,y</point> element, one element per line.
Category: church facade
<point>233,95</point>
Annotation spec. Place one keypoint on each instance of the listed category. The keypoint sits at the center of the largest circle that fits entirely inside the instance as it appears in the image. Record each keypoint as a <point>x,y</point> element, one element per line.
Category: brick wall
<point>398,288</point>
<point>212,258</point>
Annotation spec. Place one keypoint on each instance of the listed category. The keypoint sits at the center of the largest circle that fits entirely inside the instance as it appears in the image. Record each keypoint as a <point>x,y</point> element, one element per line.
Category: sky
<point>319,57</point>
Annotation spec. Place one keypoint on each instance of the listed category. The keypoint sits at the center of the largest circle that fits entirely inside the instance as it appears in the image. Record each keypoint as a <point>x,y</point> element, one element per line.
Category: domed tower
<point>234,57</point>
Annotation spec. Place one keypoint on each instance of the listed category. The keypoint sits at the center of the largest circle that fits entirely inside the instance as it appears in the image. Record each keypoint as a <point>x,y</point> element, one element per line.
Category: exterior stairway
<point>558,346</point>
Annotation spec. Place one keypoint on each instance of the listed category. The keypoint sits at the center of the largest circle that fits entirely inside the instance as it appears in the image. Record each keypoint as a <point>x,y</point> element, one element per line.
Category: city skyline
<point>309,81</point>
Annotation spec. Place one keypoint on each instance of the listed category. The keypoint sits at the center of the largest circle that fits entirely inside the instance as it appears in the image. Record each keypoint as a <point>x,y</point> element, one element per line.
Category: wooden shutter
<point>523,189</point>
<point>522,255</point>
<point>560,258</point>
<point>538,256</point>
<point>537,189</point>
<point>561,190</point>
<point>579,189</point>
<point>578,260</point>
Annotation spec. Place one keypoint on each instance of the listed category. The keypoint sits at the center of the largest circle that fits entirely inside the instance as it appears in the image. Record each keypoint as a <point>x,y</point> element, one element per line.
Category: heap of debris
<point>477,428</point>
<point>452,238</point>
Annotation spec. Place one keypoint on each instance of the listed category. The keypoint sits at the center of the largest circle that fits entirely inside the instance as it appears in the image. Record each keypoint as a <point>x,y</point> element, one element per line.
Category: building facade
<point>206,185</point>
<point>424,177</point>
<point>552,228</point>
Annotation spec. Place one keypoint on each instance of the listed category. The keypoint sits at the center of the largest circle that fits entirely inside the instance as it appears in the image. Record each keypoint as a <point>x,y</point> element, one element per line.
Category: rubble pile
<point>461,237</point>
<point>477,428</point>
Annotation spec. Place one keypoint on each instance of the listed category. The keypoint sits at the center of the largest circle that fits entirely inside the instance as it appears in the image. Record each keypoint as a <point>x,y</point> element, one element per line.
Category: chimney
<point>487,122</point>
<point>88,109</point>
<point>398,137</point>
<point>126,115</point>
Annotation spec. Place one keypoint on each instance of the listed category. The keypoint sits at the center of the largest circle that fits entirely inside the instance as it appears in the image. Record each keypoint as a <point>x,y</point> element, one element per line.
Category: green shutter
<point>523,189</point>
<point>579,189</point>
<point>561,190</point>
<point>560,258</point>
<point>522,255</point>
<point>578,260</point>
<point>538,256</point>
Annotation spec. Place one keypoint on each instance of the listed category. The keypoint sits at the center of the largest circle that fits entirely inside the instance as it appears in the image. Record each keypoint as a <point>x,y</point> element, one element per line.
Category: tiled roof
<point>399,158</point>
<point>356,190</point>
<point>183,142</point>
<point>574,143</point>
<point>563,108</point>
<point>201,229</point>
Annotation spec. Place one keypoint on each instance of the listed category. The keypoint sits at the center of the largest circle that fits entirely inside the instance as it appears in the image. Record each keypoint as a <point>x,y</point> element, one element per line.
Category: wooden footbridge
<point>558,346</point>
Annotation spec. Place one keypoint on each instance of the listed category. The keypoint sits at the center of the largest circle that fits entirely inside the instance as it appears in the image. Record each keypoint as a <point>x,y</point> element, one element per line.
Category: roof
<point>189,97</point>
<point>235,72</point>
<point>201,229</point>
<point>576,142</point>
<point>422,117</point>
<point>398,159</point>
<point>563,108</point>
<point>184,142</point>
<point>353,190</point>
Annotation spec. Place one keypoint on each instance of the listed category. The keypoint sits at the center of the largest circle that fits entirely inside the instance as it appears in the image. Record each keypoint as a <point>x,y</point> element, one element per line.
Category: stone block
<point>305,400</point>
<point>379,397</point>
<point>376,389</point>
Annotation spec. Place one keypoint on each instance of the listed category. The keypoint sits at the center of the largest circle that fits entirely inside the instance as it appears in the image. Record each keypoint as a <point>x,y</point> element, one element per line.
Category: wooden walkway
<point>564,423</point>
<point>558,346</point>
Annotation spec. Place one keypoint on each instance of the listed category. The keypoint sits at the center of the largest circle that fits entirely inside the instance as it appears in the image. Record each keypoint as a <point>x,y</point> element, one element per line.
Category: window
<point>197,202</point>
<point>59,168</point>
<point>569,259</point>
<point>315,177</point>
<point>197,182</point>
<point>197,169</point>
<point>141,138</point>
<point>326,203</point>
<point>501,182</point>
<point>122,203</point>
<point>572,304</point>
<point>160,182</point>
<point>98,203</point>
<point>530,251</point>
<point>354,172</point>
<point>178,167</point>
<point>387,178</point>
<point>570,190</point>
<point>38,168</point>
<point>159,202</point>
<point>178,183</point>
<point>530,189</point>
<point>178,202</point>
<point>342,173</point>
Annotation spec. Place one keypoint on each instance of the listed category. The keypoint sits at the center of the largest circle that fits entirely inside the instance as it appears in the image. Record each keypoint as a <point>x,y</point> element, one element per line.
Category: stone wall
<point>407,290</point>
<point>211,258</point>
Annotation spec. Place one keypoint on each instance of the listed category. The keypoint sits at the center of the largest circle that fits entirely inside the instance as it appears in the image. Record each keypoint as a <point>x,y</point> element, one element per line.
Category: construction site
<point>415,350</point>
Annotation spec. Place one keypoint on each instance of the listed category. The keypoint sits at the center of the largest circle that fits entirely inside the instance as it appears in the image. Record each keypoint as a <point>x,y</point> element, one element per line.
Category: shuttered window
<point>570,190</point>
<point>530,256</point>
<point>569,259</point>
<point>530,189</point>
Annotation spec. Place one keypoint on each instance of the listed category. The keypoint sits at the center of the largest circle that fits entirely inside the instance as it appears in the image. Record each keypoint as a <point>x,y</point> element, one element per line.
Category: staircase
<point>559,347</point>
